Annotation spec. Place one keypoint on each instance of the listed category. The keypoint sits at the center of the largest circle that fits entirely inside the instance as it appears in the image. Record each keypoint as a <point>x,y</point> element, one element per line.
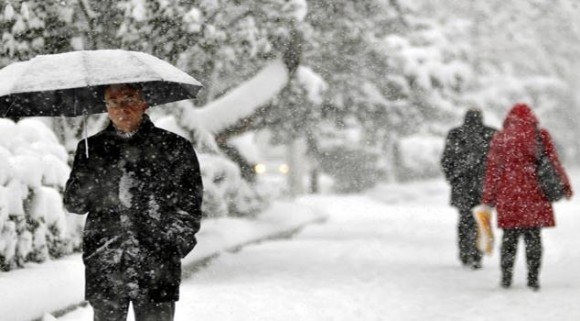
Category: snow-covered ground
<point>40,289</point>
<point>389,254</point>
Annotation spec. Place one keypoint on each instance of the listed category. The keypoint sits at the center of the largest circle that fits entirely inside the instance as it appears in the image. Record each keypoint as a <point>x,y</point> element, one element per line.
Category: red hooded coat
<point>511,184</point>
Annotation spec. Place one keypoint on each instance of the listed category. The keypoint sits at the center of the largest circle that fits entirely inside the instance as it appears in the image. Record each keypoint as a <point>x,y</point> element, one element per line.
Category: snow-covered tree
<point>33,172</point>
<point>221,42</point>
<point>224,43</point>
<point>524,51</point>
<point>394,71</point>
<point>29,28</point>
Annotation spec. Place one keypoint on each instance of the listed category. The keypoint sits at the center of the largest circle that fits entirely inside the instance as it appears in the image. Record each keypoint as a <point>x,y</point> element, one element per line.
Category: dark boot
<point>477,258</point>
<point>533,284</point>
<point>506,279</point>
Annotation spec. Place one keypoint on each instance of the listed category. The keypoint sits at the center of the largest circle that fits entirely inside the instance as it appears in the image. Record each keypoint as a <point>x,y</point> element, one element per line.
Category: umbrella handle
<point>85,125</point>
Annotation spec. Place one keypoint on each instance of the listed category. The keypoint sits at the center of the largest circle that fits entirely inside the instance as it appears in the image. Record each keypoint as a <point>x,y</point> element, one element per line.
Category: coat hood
<point>520,115</point>
<point>473,118</point>
<point>520,130</point>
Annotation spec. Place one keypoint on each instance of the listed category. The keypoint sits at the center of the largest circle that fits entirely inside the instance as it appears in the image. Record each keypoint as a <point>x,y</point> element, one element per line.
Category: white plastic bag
<point>485,239</point>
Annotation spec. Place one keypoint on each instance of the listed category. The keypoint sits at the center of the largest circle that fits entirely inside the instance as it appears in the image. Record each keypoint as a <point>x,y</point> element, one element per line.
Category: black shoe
<point>476,265</point>
<point>534,286</point>
<point>506,282</point>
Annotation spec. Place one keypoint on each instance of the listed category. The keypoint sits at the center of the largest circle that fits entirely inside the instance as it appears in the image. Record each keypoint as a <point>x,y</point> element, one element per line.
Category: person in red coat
<point>511,186</point>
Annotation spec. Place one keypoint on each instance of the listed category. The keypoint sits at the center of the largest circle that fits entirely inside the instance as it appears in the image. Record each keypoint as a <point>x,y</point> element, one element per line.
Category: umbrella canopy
<point>73,83</point>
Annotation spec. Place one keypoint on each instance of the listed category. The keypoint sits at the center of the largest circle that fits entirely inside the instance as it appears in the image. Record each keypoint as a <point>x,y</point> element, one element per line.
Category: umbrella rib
<point>10,108</point>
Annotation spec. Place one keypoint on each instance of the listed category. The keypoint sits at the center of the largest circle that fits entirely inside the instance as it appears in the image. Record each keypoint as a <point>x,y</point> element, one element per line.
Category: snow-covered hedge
<point>34,225</point>
<point>33,172</point>
<point>225,192</point>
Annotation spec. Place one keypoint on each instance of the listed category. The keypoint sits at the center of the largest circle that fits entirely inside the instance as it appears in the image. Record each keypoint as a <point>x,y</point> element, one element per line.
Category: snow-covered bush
<point>225,192</point>
<point>33,172</point>
<point>419,156</point>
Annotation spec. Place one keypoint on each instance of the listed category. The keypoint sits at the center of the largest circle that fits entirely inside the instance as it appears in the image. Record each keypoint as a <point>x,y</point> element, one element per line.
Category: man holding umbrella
<point>142,189</point>
<point>140,185</point>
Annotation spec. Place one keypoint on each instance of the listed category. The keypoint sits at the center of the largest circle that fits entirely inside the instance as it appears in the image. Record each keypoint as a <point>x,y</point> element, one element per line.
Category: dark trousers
<point>509,247</point>
<point>116,310</point>
<point>467,237</point>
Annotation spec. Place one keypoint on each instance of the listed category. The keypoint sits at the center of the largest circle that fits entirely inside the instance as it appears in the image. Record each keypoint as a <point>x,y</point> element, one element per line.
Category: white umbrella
<point>73,83</point>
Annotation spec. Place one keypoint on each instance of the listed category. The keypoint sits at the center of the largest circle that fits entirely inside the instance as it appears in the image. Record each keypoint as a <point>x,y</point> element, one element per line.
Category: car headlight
<point>284,169</point>
<point>260,168</point>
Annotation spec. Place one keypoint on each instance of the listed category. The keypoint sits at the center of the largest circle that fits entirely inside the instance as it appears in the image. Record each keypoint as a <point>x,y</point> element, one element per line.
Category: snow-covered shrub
<point>33,172</point>
<point>248,201</point>
<point>419,157</point>
<point>225,192</point>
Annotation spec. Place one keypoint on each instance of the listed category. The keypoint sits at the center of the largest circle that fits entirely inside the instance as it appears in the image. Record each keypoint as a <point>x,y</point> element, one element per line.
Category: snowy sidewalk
<point>39,289</point>
<point>387,254</point>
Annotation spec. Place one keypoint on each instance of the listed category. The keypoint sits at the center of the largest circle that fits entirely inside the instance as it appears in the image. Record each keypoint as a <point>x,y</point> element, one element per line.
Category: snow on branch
<point>241,102</point>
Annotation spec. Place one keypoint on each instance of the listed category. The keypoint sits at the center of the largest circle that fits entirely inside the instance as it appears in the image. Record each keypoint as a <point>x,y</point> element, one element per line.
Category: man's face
<point>125,107</point>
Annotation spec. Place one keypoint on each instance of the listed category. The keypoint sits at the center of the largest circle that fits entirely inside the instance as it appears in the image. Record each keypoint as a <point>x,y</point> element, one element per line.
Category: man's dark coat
<point>464,160</point>
<point>145,191</point>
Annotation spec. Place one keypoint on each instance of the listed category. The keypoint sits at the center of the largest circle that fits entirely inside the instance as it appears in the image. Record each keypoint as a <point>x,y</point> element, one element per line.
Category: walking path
<point>386,255</point>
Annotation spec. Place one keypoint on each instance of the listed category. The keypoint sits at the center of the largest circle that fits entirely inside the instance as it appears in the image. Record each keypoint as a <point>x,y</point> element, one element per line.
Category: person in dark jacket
<point>463,163</point>
<point>511,186</point>
<point>141,187</point>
